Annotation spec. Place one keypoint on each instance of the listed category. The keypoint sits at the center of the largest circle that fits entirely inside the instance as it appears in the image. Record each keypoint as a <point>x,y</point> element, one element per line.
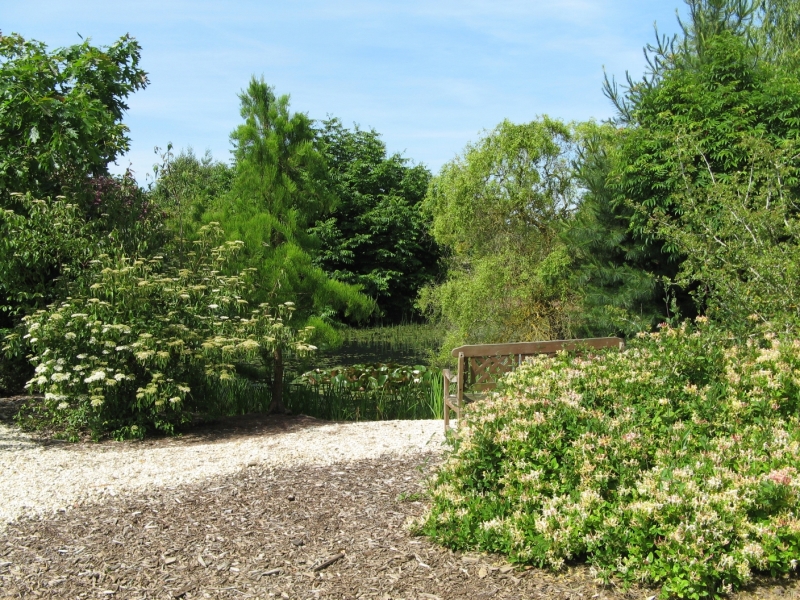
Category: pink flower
<point>781,477</point>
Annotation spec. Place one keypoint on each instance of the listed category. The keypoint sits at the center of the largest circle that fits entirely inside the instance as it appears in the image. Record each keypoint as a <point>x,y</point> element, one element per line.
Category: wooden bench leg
<point>446,406</point>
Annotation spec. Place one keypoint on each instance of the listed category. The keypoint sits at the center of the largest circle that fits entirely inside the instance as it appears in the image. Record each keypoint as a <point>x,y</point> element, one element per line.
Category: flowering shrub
<point>674,462</point>
<point>126,358</point>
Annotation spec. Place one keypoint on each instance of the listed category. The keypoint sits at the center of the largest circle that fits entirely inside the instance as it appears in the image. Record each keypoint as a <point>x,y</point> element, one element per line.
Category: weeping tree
<point>496,209</point>
<point>281,186</point>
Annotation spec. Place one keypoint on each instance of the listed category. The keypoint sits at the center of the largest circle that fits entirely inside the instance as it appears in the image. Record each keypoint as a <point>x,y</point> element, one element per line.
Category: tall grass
<point>436,395</point>
<point>333,401</point>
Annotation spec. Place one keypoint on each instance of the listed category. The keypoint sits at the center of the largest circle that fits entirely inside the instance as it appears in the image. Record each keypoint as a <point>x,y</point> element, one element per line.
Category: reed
<point>362,392</point>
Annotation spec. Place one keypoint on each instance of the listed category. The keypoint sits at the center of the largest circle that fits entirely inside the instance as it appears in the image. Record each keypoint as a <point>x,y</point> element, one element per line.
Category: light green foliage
<point>778,35</point>
<point>281,185</point>
<point>673,462</point>
<point>739,234</point>
<point>185,188</point>
<point>136,353</point>
<point>279,166</point>
<point>497,208</point>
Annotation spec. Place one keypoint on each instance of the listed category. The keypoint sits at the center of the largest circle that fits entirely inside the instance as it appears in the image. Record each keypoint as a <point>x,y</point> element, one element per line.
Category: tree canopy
<point>377,237</point>
<point>61,113</point>
<point>691,127</point>
<point>496,209</point>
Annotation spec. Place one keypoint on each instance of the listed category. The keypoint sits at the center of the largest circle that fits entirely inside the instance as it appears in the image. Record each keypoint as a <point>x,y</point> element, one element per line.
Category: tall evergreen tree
<point>281,186</point>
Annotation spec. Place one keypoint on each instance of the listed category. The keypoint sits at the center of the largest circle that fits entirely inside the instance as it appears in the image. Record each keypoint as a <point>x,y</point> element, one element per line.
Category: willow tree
<point>281,186</point>
<point>496,209</point>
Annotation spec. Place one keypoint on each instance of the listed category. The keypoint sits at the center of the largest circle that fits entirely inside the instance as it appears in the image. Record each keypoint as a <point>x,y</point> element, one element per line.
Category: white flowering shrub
<point>674,462</point>
<point>135,354</point>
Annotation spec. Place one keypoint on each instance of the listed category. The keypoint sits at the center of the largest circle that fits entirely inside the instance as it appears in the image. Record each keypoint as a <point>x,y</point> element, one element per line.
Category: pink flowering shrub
<point>674,462</point>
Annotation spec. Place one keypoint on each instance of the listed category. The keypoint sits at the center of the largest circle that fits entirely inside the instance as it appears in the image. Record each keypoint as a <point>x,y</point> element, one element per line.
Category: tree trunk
<point>276,406</point>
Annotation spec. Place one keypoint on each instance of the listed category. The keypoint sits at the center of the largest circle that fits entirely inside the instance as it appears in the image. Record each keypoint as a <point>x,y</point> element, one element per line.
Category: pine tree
<point>281,186</point>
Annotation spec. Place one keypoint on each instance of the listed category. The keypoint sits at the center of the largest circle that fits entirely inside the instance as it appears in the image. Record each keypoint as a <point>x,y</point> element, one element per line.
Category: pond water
<point>399,344</point>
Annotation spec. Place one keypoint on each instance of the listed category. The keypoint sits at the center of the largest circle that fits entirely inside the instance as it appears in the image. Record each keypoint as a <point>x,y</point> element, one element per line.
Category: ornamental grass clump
<point>674,462</point>
<point>142,350</point>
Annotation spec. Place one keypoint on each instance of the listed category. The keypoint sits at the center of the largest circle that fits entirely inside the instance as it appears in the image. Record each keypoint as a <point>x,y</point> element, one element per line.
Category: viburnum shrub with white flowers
<point>126,359</point>
<point>675,462</point>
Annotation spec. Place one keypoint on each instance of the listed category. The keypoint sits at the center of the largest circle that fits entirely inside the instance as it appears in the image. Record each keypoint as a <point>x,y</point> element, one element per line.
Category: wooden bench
<point>481,366</point>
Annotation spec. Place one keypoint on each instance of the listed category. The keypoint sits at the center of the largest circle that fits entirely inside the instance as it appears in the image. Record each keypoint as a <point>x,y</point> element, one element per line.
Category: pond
<point>383,388</point>
<point>399,344</point>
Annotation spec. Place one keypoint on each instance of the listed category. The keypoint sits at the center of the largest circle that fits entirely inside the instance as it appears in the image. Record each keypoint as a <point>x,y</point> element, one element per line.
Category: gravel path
<point>252,507</point>
<point>39,478</point>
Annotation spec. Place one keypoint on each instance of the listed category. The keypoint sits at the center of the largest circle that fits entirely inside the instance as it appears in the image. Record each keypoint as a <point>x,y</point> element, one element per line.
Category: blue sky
<point>429,76</point>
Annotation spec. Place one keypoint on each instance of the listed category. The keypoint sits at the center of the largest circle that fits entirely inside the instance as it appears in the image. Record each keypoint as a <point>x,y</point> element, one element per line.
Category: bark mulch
<point>308,532</point>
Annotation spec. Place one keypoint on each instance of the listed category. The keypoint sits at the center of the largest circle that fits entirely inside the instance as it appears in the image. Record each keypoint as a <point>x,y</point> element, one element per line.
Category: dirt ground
<point>309,532</point>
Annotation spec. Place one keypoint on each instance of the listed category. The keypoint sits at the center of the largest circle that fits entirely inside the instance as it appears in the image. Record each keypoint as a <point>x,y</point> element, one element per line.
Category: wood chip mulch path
<point>308,532</point>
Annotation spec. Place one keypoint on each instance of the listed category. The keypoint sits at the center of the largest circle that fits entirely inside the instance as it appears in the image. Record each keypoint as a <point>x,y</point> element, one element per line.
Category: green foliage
<point>719,103</point>
<point>369,392</point>
<point>777,35</point>
<point>186,187</point>
<point>376,237</point>
<point>497,209</point>
<point>379,376</point>
<point>281,185</point>
<point>136,354</point>
<point>60,114</point>
<point>673,462</point>
<point>279,166</point>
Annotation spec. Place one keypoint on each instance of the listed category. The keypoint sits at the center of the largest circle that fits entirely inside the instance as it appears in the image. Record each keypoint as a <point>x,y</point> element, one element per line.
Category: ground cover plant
<point>370,392</point>
<point>674,462</point>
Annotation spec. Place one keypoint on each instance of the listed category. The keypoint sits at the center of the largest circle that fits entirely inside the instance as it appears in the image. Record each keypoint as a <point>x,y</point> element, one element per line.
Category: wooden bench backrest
<point>483,365</point>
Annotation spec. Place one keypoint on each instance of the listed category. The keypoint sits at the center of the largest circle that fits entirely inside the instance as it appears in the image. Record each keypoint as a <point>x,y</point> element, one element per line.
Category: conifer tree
<point>280,186</point>
<point>713,87</point>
